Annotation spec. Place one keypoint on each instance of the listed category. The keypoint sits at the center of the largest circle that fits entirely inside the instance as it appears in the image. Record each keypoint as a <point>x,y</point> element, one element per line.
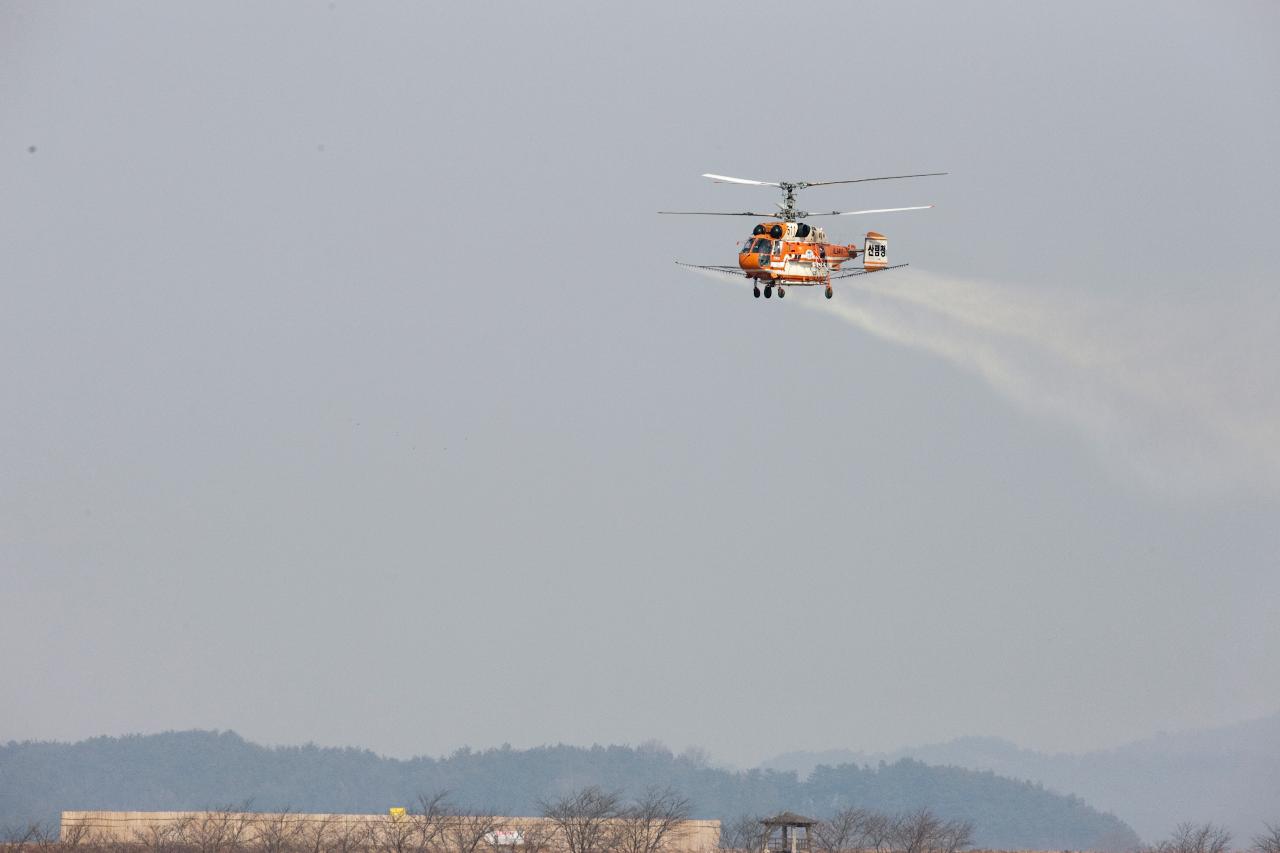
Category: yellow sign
<point>395,812</point>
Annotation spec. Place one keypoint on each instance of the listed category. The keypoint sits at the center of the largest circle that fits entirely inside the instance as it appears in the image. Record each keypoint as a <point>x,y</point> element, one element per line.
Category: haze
<point>350,393</point>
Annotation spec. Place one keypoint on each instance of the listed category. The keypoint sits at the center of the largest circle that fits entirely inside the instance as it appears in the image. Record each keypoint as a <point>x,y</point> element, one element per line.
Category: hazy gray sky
<point>349,392</point>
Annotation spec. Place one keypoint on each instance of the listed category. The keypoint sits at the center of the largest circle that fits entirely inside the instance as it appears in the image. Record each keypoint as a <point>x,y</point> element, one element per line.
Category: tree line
<point>181,771</point>
<point>866,831</point>
<point>588,820</point>
<point>1192,837</point>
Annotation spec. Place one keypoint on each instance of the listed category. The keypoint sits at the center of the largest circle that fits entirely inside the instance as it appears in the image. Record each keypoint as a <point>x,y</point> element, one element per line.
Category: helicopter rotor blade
<point>863,180</point>
<point>725,179</point>
<point>714,213</point>
<point>877,210</point>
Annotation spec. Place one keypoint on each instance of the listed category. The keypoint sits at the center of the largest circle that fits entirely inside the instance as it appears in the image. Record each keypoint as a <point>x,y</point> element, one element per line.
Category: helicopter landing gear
<point>768,291</point>
<point>781,292</point>
<point>829,294</point>
<point>756,291</point>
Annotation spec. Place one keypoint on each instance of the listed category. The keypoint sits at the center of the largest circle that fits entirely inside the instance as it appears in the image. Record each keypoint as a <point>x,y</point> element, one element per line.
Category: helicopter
<point>784,251</point>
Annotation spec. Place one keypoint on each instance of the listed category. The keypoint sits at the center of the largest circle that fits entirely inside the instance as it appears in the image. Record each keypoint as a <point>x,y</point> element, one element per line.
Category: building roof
<point>788,819</point>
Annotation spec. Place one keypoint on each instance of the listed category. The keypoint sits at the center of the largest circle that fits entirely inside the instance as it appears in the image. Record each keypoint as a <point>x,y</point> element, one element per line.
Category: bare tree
<point>352,836</point>
<point>846,830</point>
<point>1269,841</point>
<point>878,831</point>
<point>920,831</point>
<point>651,821</point>
<point>466,833</point>
<point>221,830</point>
<point>107,842</point>
<point>163,837</point>
<point>915,832</point>
<point>316,834</point>
<point>1196,838</point>
<point>33,834</point>
<point>954,836</point>
<point>395,834</point>
<point>586,819</point>
<point>535,836</point>
<point>430,819</point>
<point>742,833</point>
<point>77,833</point>
<point>275,833</point>
<point>408,833</point>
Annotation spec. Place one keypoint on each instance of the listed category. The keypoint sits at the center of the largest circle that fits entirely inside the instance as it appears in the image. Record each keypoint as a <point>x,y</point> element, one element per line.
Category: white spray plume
<point>1187,395</point>
<point>1184,393</point>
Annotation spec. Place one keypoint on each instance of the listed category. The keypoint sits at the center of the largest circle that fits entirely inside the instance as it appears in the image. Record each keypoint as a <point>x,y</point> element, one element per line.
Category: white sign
<point>504,837</point>
<point>875,253</point>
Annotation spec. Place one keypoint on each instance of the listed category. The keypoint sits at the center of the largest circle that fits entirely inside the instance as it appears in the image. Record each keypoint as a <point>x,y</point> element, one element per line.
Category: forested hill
<point>201,769</point>
<point>1229,775</point>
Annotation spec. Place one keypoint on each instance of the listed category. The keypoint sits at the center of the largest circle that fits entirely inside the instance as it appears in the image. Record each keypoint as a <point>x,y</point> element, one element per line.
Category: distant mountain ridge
<point>1229,775</point>
<point>201,769</point>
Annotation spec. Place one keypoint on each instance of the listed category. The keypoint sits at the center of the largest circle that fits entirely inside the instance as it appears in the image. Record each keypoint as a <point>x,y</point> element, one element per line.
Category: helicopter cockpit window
<point>746,247</point>
<point>763,246</point>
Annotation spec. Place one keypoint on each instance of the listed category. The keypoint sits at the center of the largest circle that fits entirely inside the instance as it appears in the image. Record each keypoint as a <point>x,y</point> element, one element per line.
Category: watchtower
<point>786,832</point>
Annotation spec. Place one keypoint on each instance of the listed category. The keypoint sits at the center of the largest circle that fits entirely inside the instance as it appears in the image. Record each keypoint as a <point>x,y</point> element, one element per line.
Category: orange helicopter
<point>784,251</point>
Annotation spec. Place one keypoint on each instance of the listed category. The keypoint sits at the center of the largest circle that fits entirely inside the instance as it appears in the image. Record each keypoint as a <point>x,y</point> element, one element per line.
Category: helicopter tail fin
<point>875,251</point>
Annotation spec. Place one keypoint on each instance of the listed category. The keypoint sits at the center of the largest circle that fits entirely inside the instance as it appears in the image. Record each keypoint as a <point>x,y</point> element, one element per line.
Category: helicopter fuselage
<point>792,252</point>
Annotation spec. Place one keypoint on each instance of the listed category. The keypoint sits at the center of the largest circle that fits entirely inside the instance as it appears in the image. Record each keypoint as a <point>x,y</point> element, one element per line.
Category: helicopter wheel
<point>768,291</point>
<point>828,291</point>
<point>781,292</point>
<point>756,291</point>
